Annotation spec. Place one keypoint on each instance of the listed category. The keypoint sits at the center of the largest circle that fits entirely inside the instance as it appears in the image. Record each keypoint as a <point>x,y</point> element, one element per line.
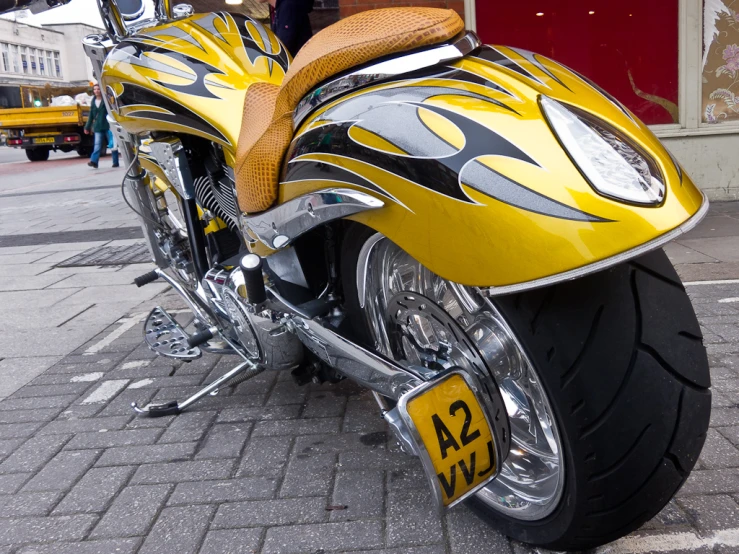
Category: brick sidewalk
<point>270,466</point>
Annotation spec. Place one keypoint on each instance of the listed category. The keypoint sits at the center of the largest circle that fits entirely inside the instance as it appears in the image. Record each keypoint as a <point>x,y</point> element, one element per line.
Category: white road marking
<point>125,325</point>
<point>729,300</point>
<point>135,364</point>
<point>106,391</point>
<point>140,384</point>
<point>719,282</point>
<point>670,542</point>
<point>87,377</point>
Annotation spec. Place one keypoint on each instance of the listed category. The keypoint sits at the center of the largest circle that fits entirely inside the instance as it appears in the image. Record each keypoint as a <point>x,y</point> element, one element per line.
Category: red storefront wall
<point>628,47</point>
<point>350,7</point>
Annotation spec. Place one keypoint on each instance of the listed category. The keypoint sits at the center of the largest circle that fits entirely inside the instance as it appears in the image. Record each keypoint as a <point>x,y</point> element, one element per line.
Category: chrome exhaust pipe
<point>366,368</point>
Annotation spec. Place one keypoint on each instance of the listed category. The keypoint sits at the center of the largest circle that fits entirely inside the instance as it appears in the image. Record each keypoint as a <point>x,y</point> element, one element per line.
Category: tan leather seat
<point>267,124</point>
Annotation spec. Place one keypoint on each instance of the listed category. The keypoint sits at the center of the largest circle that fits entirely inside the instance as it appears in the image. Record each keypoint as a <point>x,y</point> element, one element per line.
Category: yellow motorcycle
<point>470,232</point>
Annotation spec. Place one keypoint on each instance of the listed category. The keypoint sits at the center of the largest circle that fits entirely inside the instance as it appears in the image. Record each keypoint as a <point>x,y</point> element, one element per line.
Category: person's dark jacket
<point>97,121</point>
<point>291,23</point>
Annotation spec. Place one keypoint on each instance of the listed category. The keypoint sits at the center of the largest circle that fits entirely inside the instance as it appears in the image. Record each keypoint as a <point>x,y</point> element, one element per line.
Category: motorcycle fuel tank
<point>504,169</point>
<point>190,75</point>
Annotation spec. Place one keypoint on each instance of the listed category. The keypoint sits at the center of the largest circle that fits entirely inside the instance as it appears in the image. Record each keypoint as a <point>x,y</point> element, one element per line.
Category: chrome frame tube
<point>373,371</point>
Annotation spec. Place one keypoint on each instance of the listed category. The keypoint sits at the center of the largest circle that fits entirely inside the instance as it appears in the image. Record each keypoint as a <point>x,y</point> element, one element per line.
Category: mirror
<point>36,6</point>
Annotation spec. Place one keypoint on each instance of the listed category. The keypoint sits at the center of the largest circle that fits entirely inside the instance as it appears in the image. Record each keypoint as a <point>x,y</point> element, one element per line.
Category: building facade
<point>36,55</point>
<point>674,63</point>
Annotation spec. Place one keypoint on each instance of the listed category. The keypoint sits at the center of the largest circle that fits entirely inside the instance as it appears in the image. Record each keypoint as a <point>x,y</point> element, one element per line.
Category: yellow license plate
<point>457,443</point>
<point>45,140</point>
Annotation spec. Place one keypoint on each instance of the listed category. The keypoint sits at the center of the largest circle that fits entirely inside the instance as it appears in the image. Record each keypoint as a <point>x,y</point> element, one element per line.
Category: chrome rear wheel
<point>532,477</point>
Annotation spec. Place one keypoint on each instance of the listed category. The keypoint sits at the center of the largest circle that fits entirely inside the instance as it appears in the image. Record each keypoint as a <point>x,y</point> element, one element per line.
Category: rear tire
<point>37,154</point>
<point>621,357</point>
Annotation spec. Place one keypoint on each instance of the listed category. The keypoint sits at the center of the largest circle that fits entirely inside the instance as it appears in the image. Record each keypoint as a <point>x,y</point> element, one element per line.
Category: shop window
<point>14,58</point>
<point>629,47</point>
<point>720,96</point>
<point>57,66</point>
<point>5,66</point>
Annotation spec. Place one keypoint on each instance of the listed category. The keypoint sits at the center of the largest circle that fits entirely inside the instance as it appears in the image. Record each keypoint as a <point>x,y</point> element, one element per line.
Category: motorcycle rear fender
<point>476,185</point>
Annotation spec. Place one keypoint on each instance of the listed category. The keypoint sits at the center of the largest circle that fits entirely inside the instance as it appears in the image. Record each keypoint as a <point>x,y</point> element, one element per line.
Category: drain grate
<point>137,253</point>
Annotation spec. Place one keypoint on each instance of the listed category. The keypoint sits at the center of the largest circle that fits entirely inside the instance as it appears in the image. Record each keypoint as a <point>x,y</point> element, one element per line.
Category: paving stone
<point>19,430</point>
<point>297,427</point>
<point>45,529</point>
<point>144,372</point>
<point>146,454</point>
<point>33,454</point>
<point>731,433</point>
<point>28,504</point>
<point>265,456</point>
<point>259,413</point>
<point>62,471</point>
<point>121,404</point>
<point>37,402</point>
<point>468,533</point>
<point>30,391</point>
<point>363,416</point>
<point>132,512</point>
<point>404,479</point>
<point>7,446</point>
<point>95,490</point>
<point>286,511</point>
<point>711,481</point>
<point>718,452</point>
<point>412,518</point>
<point>10,483</point>
<point>208,492</point>
<point>326,537</point>
<point>672,516</point>
<point>108,439</point>
<point>309,475</point>
<point>323,404</point>
<point>112,546</point>
<point>178,530</point>
<point>377,459</point>
<point>232,541</point>
<point>178,472</point>
<point>21,416</point>
<point>362,494</point>
<point>434,549</point>
<point>224,441</point>
<point>711,512</point>
<point>93,424</point>
<point>189,426</point>
<point>286,392</point>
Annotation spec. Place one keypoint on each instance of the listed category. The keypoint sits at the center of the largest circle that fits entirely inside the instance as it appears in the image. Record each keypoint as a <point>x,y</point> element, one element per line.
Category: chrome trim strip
<point>278,227</point>
<point>387,69</point>
<point>363,264</point>
<point>367,368</point>
<point>603,264</point>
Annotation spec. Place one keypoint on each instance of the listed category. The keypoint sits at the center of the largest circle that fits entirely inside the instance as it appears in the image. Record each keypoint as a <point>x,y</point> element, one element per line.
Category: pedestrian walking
<point>291,23</point>
<point>97,123</point>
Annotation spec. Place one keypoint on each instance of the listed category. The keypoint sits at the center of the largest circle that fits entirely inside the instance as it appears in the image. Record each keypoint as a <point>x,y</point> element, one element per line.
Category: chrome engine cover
<point>265,342</point>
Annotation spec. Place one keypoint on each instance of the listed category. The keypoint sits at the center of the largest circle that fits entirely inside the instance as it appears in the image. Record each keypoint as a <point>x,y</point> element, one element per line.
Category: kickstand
<point>242,372</point>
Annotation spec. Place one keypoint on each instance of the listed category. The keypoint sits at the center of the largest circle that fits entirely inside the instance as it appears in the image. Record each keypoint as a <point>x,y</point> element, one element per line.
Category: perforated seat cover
<point>267,125</point>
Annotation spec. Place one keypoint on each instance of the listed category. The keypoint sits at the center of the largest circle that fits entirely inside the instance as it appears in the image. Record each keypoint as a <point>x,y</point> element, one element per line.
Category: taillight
<point>71,138</point>
<point>14,142</point>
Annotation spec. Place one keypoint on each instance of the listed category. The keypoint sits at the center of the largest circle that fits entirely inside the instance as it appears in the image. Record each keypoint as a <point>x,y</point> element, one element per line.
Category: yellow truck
<point>39,130</point>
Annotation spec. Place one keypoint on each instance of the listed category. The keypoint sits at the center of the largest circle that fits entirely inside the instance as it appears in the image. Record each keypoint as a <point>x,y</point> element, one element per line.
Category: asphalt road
<point>15,155</point>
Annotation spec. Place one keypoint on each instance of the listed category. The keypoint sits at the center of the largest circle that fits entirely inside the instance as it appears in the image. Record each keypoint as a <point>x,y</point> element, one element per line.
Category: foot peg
<point>202,337</point>
<point>146,278</point>
<point>164,336</point>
